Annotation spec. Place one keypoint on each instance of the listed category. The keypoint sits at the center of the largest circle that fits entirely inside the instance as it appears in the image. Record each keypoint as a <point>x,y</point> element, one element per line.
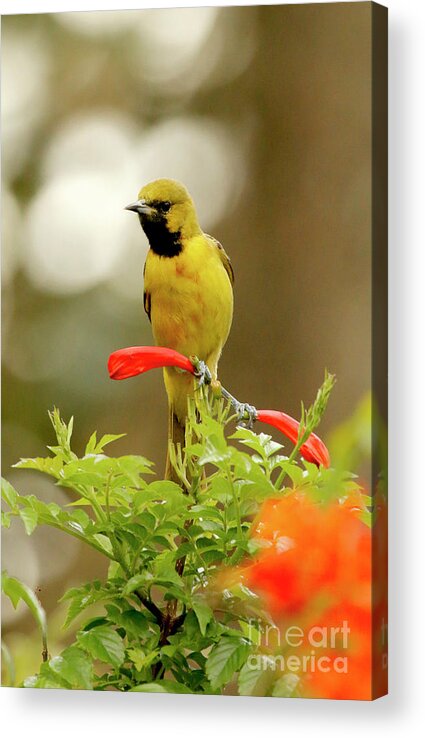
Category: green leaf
<point>134,623</point>
<point>95,447</point>
<point>5,519</point>
<point>47,465</point>
<point>82,597</point>
<point>203,613</point>
<point>75,667</point>
<point>260,442</point>
<point>225,658</point>
<point>255,682</point>
<point>107,439</point>
<point>137,582</point>
<point>140,659</point>
<point>165,685</point>
<point>9,494</point>
<point>162,498</point>
<point>133,467</point>
<point>286,686</point>
<point>16,591</point>
<point>103,643</point>
<point>91,445</point>
<point>164,569</point>
<point>29,518</point>
<point>103,542</point>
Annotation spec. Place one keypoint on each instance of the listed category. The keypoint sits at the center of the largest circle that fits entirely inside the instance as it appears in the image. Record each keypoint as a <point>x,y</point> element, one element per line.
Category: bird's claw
<point>202,372</point>
<point>247,414</point>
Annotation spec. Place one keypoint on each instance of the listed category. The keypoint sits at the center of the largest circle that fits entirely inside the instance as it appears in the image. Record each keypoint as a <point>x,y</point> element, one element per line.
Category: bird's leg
<point>247,414</point>
<point>202,372</point>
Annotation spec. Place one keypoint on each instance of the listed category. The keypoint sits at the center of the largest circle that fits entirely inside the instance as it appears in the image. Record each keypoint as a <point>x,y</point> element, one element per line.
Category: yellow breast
<point>191,299</point>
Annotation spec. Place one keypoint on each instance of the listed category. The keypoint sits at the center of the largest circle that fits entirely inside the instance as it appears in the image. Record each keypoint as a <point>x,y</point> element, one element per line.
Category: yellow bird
<point>188,288</point>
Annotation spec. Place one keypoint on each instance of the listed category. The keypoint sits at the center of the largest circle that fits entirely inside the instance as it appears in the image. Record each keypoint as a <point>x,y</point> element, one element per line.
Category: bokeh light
<point>202,153</point>
<point>97,24</point>
<point>11,235</point>
<point>96,140</point>
<point>169,42</point>
<point>25,92</point>
<point>75,232</point>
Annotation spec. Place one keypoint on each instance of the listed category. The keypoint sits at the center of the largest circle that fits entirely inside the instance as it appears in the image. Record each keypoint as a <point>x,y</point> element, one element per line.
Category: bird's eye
<point>165,206</point>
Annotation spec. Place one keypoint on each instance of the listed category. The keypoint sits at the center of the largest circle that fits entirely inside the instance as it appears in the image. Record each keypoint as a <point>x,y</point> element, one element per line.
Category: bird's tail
<point>176,434</point>
<point>179,386</point>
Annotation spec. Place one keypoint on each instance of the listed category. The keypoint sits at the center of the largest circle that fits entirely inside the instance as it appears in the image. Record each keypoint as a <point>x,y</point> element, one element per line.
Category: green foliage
<point>164,627</point>
<point>17,591</point>
<point>311,417</point>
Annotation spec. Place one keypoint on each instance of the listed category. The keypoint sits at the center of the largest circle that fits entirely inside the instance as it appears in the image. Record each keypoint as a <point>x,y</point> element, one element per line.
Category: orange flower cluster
<point>314,574</point>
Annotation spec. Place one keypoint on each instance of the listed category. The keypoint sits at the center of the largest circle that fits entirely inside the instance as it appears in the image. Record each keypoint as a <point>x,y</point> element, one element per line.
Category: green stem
<point>235,500</point>
<point>107,491</point>
<point>301,440</point>
<point>99,512</point>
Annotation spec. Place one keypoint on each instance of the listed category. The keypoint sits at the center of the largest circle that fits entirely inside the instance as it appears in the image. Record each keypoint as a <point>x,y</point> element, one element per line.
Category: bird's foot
<point>247,414</point>
<point>202,372</point>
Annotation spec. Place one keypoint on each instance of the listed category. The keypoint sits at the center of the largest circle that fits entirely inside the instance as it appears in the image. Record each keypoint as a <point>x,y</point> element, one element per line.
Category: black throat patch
<point>161,241</point>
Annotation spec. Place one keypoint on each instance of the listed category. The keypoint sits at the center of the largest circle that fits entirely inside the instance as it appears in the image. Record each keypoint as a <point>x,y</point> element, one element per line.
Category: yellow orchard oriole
<point>188,293</point>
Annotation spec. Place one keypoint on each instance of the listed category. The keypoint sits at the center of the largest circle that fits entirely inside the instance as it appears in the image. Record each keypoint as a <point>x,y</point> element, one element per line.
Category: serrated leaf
<point>254,681</point>
<point>103,542</point>
<point>164,569</point>
<point>75,667</point>
<point>103,643</point>
<point>140,659</point>
<point>45,681</point>
<point>82,597</point>
<point>9,494</point>
<point>225,658</point>
<point>214,456</point>
<point>138,581</point>
<point>91,444</point>
<point>203,613</point>
<point>47,465</point>
<point>29,517</point>
<point>134,623</point>
<point>106,439</point>
<point>286,686</point>
<point>80,517</point>
<point>295,473</point>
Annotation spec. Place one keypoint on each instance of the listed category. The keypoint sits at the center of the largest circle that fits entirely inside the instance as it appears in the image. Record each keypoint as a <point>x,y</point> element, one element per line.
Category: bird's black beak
<point>141,207</point>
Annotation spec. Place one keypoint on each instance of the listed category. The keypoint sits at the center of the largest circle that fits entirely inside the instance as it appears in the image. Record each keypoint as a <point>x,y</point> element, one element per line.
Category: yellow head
<point>167,215</point>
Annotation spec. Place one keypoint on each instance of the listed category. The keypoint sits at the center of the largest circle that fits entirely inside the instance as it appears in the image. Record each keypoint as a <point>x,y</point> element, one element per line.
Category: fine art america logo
<point>320,648</point>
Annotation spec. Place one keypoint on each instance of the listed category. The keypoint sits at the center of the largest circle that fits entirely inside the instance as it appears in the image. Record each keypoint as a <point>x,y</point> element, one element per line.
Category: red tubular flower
<point>129,362</point>
<point>313,450</point>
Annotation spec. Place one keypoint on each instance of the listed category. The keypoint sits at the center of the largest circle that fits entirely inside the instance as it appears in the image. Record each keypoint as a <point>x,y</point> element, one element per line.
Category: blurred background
<point>264,113</point>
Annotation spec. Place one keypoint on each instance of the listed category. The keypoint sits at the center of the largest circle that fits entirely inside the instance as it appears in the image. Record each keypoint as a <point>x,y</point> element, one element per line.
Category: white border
<point>37,712</point>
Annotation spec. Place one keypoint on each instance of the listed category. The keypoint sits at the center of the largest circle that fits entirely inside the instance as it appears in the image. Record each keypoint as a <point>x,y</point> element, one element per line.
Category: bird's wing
<point>223,258</point>
<point>146,298</point>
